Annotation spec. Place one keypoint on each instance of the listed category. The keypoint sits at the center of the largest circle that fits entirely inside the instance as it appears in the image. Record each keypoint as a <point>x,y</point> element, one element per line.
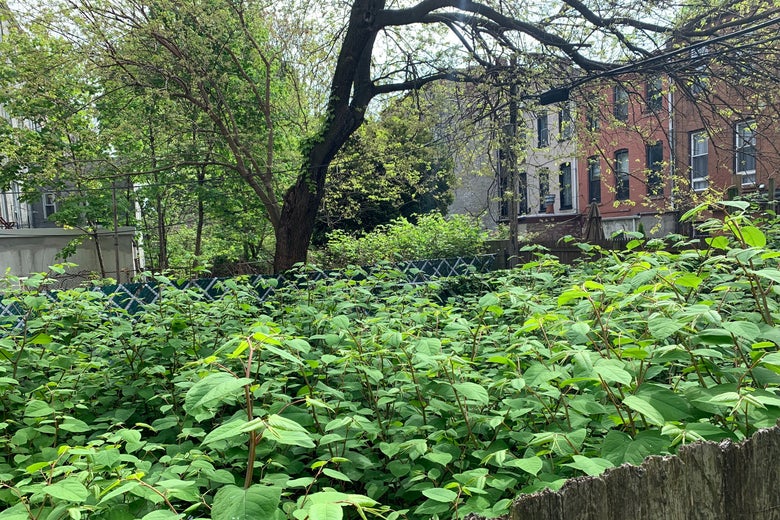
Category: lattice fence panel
<point>131,297</point>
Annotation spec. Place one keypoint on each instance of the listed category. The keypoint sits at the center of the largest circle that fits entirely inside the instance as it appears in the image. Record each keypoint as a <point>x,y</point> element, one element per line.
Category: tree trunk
<point>296,225</point>
<point>350,93</point>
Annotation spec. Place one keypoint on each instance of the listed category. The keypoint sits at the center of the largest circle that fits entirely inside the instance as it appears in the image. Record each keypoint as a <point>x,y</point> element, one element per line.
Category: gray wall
<point>25,251</point>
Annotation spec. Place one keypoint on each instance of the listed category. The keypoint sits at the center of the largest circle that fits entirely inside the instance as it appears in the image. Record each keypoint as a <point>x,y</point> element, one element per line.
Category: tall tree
<point>220,57</point>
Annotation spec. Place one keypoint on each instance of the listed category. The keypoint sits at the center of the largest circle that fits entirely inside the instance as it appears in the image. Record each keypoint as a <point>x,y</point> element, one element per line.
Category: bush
<point>433,236</point>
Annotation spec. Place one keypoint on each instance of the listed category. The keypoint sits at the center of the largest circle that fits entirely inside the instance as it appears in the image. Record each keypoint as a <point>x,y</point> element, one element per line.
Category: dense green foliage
<point>428,236</point>
<point>432,400</point>
<point>392,166</point>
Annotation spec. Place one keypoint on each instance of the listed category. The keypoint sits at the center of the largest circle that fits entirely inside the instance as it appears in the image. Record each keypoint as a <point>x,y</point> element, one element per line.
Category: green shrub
<point>433,236</point>
<point>342,398</point>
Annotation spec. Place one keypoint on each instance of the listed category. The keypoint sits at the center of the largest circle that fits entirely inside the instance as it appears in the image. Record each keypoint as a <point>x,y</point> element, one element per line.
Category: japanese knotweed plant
<point>435,400</point>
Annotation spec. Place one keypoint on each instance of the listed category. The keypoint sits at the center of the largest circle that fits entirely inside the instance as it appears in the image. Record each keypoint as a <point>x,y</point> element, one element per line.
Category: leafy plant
<point>430,236</point>
<point>367,396</point>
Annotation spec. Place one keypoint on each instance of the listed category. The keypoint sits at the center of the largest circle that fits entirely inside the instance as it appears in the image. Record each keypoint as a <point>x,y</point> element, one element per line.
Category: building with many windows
<point>625,154</point>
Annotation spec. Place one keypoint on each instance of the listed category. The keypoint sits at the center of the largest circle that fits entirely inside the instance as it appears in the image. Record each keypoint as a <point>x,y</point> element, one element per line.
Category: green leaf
<point>288,432</point>
<point>473,392</point>
<point>440,494</point>
<point>438,457</point>
<point>124,488</point>
<point>688,280</point>
<point>74,425</point>
<point>618,447</point>
<point>283,354</point>
<point>36,408</point>
<point>770,274</point>
<point>70,489</point>
<point>590,466</point>
<point>162,514</point>
<point>17,512</point>
<point>743,329</point>
<point>718,242</point>
<point>209,391</point>
<point>672,406</point>
<point>332,473</point>
<point>235,503</point>
<point>662,327</point>
<point>640,405</point>
<point>41,339</point>
<point>325,511</point>
<point>530,465</point>
<point>753,236</point>
<point>228,430</point>
<point>611,371</point>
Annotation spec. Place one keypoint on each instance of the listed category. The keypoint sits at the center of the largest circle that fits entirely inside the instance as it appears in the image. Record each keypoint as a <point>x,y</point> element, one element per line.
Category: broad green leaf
<point>74,425</point>
<point>473,392</point>
<point>325,511</point>
<point>438,457</point>
<point>283,354</point>
<point>618,447</point>
<point>488,300</point>
<point>661,327</point>
<point>124,488</point>
<point>209,391</point>
<point>162,514</point>
<point>235,503</point>
<point>17,512</point>
<point>590,466</point>
<point>743,329</point>
<point>440,494</point>
<point>715,337</point>
<point>741,205</point>
<point>770,274</point>
<point>288,432</point>
<point>228,430</point>
<point>41,339</point>
<point>530,465</point>
<point>640,405</point>
<point>753,236</point>
<point>612,371</point>
<point>70,489</point>
<point>332,473</point>
<point>718,242</point>
<point>672,406</point>
<point>578,333</point>
<point>36,408</point>
<point>688,280</point>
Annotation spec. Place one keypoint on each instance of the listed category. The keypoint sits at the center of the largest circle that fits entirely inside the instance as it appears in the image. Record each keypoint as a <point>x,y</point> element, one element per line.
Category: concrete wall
<point>25,251</point>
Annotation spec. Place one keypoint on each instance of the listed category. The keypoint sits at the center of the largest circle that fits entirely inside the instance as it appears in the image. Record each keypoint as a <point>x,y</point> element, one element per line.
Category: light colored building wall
<point>25,251</point>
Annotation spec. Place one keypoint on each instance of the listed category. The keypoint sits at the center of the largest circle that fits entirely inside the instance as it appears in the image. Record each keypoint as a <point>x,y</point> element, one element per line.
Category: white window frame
<point>700,181</point>
<point>742,146</point>
<point>49,204</point>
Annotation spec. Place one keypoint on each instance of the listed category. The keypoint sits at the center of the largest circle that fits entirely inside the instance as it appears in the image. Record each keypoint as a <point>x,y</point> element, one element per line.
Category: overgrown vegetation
<point>433,401</point>
<point>426,236</point>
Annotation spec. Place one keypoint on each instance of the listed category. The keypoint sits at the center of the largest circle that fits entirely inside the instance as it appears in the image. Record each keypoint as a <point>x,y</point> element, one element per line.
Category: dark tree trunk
<point>350,93</point>
<point>295,228</point>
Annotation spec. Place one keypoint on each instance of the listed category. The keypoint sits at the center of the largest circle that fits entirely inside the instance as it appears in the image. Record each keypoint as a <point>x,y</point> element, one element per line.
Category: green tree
<point>221,57</point>
<point>395,165</point>
<point>52,139</point>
